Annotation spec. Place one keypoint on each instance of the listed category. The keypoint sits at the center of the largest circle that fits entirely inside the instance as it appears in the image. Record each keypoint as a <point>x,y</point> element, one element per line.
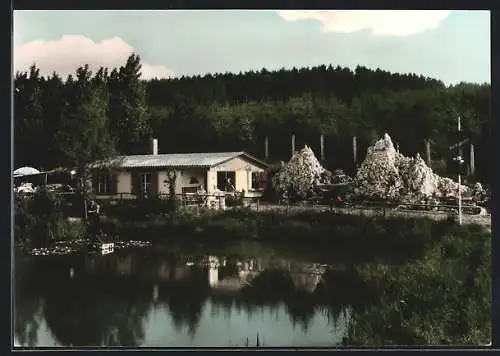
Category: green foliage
<point>442,298</point>
<point>39,220</point>
<point>30,124</point>
<point>84,135</point>
<point>128,113</point>
<point>365,235</point>
<point>142,208</point>
<point>234,201</point>
<point>228,112</point>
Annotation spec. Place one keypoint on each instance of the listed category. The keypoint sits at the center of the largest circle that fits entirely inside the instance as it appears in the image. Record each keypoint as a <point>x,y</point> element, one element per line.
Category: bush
<point>39,220</point>
<point>442,298</point>
<point>234,201</point>
<point>140,208</point>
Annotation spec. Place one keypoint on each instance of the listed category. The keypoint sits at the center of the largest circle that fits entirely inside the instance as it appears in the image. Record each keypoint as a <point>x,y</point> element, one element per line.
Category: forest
<point>68,122</point>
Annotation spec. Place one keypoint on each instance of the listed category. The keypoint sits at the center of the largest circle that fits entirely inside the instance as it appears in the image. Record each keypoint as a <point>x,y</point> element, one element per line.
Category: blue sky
<point>453,46</point>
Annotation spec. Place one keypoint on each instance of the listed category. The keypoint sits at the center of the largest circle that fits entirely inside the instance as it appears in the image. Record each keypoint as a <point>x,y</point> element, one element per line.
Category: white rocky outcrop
<point>298,177</point>
<point>378,176</point>
<point>387,174</point>
<point>384,174</point>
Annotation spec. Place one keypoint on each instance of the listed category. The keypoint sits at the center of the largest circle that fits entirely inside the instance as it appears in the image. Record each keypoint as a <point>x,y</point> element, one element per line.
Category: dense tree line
<point>89,116</point>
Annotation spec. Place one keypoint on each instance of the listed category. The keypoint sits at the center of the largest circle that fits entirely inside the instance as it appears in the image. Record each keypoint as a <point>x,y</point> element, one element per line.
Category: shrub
<point>39,220</point>
<point>140,208</point>
<point>442,298</point>
<point>234,201</point>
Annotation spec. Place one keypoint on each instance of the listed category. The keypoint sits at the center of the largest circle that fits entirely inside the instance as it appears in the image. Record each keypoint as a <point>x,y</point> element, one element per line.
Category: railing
<point>188,200</point>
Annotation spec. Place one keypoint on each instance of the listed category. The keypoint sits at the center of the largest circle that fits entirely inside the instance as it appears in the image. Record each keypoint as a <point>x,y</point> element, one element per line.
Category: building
<point>131,176</point>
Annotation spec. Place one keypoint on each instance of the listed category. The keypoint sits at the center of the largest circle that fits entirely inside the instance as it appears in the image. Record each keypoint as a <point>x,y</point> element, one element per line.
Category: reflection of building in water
<point>164,271</point>
<point>305,276</point>
<point>155,292</point>
<point>101,263</point>
<point>124,264</point>
<point>234,277</point>
<point>223,274</point>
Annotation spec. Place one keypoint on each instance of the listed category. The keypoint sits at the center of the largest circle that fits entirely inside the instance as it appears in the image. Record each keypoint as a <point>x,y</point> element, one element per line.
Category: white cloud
<point>69,52</point>
<point>380,22</point>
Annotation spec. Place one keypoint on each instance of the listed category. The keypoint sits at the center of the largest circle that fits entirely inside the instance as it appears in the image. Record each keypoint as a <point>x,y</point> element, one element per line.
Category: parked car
<point>60,188</point>
<point>25,188</point>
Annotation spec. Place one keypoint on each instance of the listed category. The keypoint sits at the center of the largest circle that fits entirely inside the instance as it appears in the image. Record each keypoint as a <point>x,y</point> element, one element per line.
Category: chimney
<point>154,144</point>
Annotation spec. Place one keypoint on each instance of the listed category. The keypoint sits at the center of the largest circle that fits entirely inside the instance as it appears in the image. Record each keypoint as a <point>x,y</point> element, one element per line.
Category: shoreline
<point>291,210</point>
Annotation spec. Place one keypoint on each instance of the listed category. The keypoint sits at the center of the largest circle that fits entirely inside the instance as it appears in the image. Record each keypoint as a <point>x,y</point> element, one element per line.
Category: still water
<point>239,295</point>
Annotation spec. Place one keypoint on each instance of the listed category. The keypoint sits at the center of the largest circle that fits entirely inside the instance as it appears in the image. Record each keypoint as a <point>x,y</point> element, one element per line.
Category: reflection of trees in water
<point>342,289</point>
<point>27,305</point>
<point>274,288</point>
<point>94,312</point>
<point>185,299</point>
<point>107,304</point>
<point>88,310</point>
<point>301,310</point>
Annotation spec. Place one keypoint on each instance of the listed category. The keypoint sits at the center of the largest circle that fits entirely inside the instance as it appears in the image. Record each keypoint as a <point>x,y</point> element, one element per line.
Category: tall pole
<point>459,178</point>
<point>354,152</point>
<point>322,143</point>
<point>266,148</point>
<point>428,151</point>
<point>472,160</point>
<point>293,144</point>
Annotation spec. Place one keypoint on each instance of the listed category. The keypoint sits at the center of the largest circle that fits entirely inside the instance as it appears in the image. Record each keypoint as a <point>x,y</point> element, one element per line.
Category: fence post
<point>472,160</point>
<point>354,153</point>
<point>266,148</point>
<point>322,145</point>
<point>428,152</point>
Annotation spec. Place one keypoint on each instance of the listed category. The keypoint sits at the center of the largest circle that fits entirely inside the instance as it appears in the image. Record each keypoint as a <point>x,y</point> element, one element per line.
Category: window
<point>255,180</point>
<point>226,181</point>
<point>146,183</point>
<point>193,180</point>
<point>104,184</point>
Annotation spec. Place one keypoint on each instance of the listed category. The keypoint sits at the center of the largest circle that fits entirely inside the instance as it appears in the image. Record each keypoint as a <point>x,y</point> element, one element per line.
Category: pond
<point>185,295</point>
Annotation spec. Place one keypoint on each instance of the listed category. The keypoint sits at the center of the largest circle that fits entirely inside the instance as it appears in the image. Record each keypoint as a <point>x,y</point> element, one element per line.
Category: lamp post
<point>459,161</point>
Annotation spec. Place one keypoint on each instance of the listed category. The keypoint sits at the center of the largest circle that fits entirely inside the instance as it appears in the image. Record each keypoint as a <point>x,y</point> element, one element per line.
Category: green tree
<point>127,108</point>
<point>84,135</point>
<point>30,139</point>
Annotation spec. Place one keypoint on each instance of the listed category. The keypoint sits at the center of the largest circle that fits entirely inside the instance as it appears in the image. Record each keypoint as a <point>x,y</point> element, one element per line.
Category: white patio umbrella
<point>26,171</point>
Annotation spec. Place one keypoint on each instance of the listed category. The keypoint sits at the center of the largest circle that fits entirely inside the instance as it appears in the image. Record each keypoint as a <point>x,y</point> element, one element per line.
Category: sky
<point>453,46</point>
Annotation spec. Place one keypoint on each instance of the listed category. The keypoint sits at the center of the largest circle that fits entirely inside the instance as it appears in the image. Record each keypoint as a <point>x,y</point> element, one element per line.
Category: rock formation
<point>384,174</point>
<point>378,176</point>
<point>387,174</point>
<point>339,177</point>
<point>480,195</point>
<point>298,177</point>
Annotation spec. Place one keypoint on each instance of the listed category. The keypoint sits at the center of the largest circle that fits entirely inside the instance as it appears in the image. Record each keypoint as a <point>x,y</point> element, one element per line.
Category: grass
<point>366,235</point>
<point>442,298</point>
